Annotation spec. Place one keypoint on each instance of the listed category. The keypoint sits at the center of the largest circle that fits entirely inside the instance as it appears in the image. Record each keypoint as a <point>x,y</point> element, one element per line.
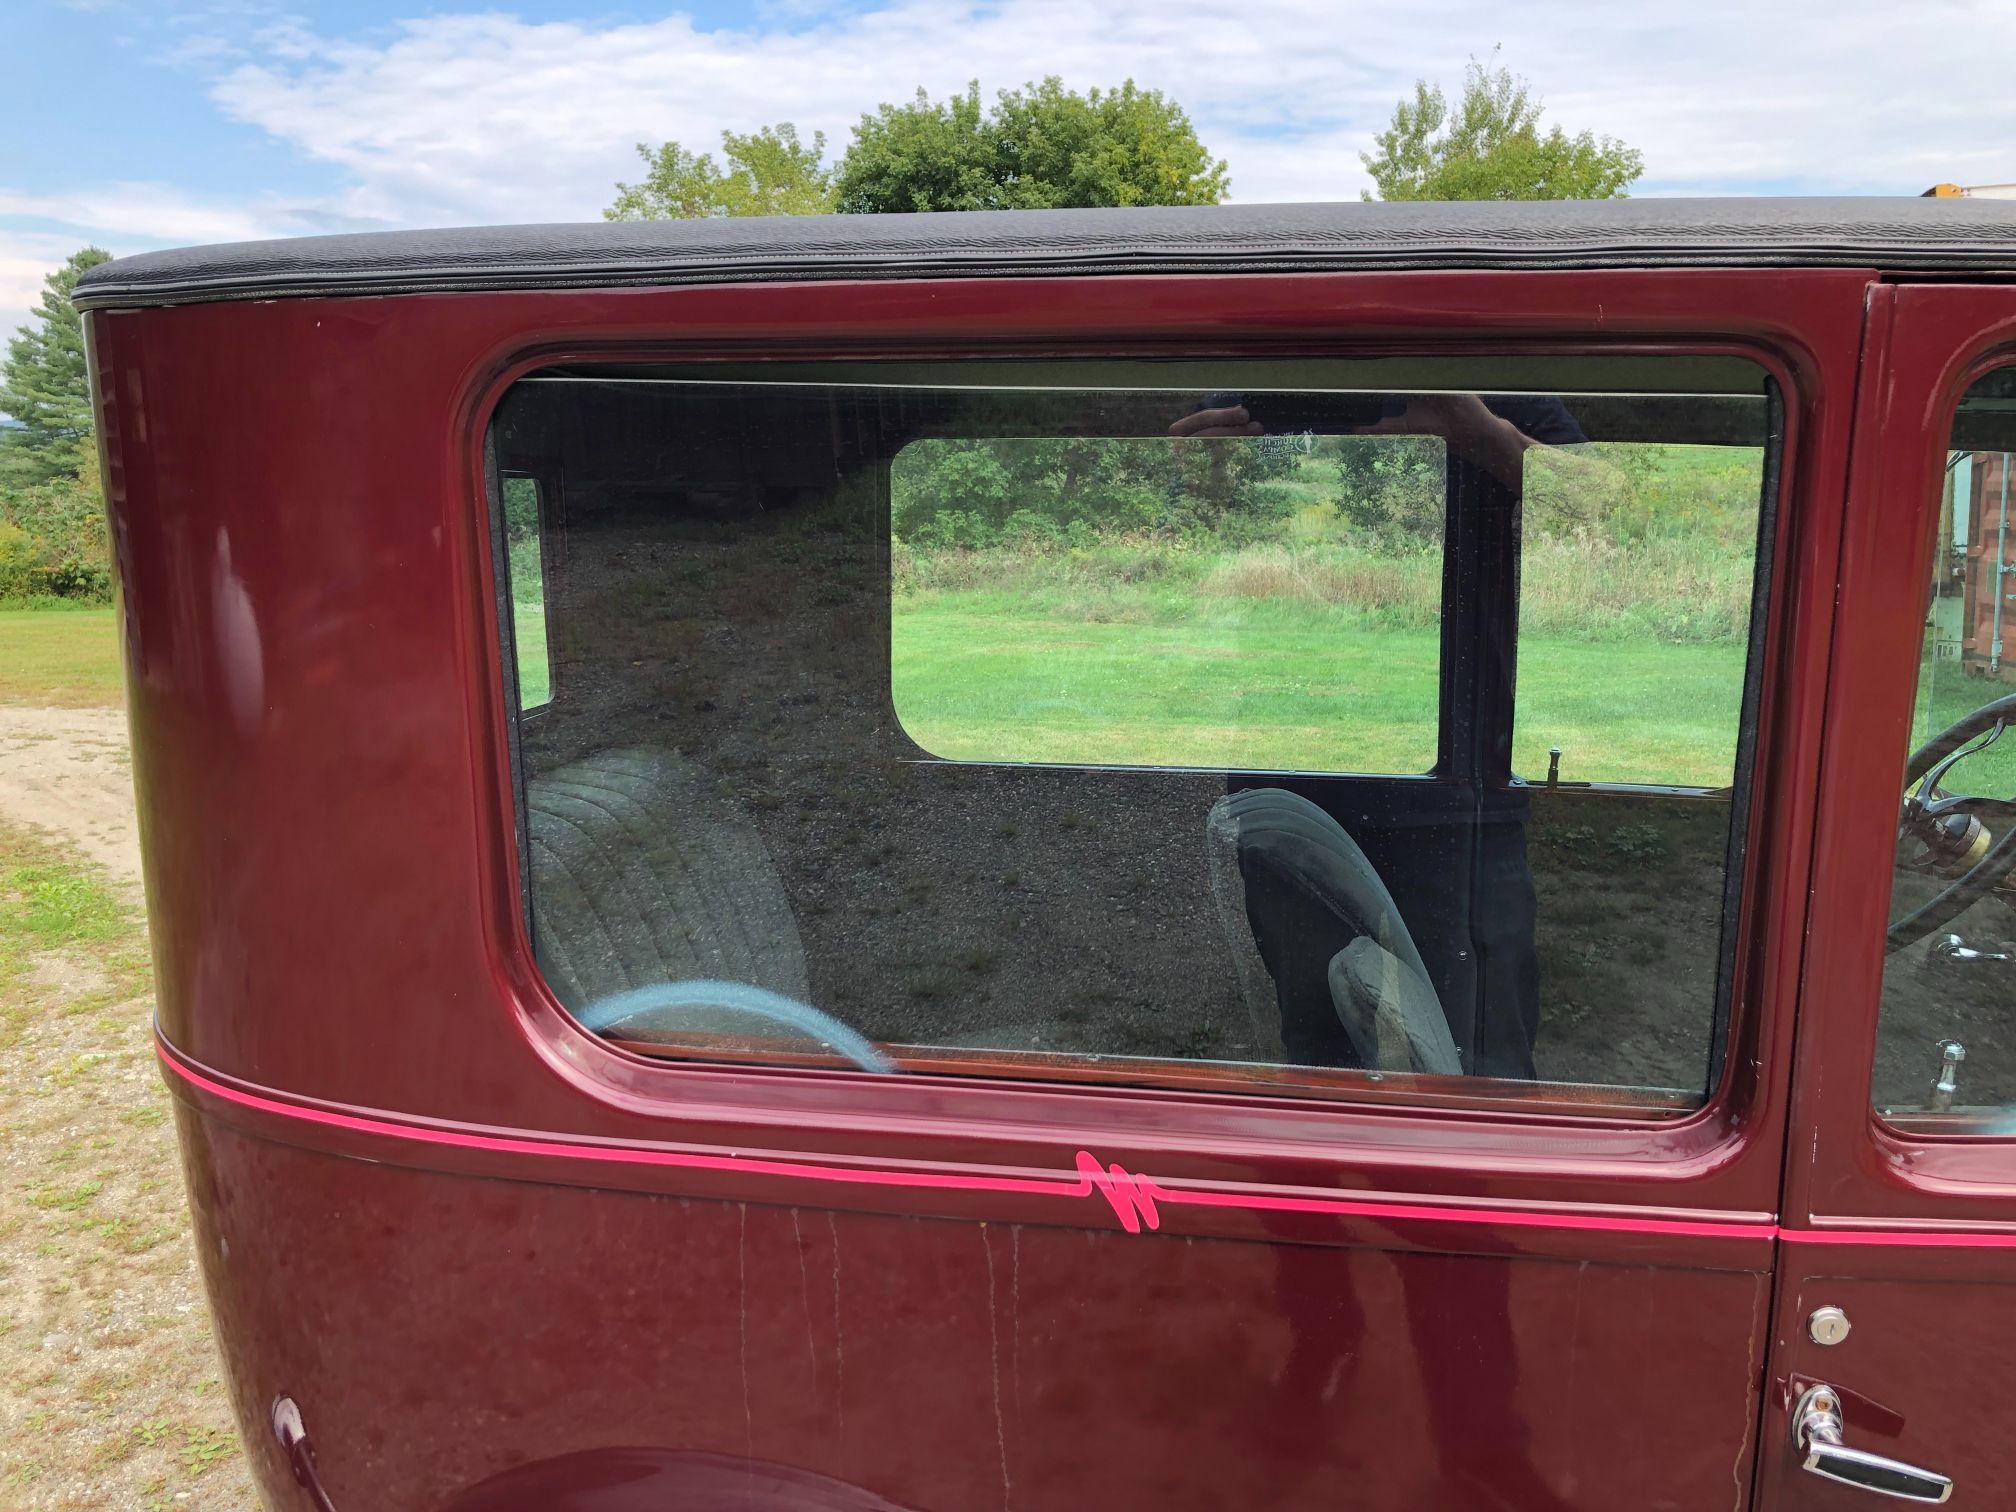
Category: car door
<point>1896,1301</point>
<point>1307,1281</point>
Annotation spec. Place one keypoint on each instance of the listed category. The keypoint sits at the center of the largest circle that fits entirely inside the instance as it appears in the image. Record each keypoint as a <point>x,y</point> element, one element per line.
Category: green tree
<point>1040,147</point>
<point>769,172</point>
<point>52,537</point>
<point>978,492</point>
<point>45,385</point>
<point>1490,146</point>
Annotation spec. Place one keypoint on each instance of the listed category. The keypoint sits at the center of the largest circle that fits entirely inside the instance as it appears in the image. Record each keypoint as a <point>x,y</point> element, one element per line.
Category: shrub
<point>954,529</point>
<point>54,540</point>
<point>1674,590</point>
<point>91,581</point>
<point>1026,527</point>
<point>17,562</point>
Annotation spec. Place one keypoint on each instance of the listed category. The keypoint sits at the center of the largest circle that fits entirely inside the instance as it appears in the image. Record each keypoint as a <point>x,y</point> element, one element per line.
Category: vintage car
<point>1279,857</point>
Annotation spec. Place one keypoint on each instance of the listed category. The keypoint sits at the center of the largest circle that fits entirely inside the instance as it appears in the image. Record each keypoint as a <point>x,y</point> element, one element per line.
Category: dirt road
<point>66,771</point>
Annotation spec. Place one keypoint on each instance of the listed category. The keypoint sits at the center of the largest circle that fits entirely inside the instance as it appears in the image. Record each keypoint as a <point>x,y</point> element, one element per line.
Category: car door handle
<point>1816,1434</point>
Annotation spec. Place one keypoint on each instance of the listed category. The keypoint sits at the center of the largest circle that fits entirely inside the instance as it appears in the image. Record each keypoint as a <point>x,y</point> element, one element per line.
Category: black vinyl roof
<point>1950,236</point>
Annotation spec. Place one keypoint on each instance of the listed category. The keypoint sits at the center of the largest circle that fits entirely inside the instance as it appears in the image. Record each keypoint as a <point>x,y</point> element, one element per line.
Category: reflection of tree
<point>975,492</point>
<point>1390,485</point>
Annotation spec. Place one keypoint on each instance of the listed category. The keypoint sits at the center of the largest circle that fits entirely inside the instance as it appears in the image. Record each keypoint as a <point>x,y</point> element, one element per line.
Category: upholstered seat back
<point>1348,984</point>
<point>644,872</point>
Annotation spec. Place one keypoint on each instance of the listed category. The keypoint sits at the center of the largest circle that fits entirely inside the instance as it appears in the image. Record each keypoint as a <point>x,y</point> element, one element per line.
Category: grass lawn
<point>1219,683</point>
<point>1946,698</point>
<point>64,657</point>
<point>535,671</point>
<point>70,657</point>
<point>1289,686</point>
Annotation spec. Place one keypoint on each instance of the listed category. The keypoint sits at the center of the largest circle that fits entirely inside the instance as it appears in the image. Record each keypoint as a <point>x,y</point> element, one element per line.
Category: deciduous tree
<point>1489,145</point>
<point>769,172</point>
<point>1040,147</point>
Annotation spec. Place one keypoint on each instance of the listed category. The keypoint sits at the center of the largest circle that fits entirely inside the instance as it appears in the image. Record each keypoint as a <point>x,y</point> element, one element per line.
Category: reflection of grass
<point>1286,685</point>
<point>59,656</point>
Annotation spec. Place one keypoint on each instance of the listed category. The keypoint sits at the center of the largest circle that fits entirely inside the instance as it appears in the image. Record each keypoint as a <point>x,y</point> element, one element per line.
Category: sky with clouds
<point>147,123</point>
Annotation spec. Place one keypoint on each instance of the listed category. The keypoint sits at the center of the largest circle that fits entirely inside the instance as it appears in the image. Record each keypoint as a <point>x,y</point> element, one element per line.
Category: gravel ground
<point>110,1392</point>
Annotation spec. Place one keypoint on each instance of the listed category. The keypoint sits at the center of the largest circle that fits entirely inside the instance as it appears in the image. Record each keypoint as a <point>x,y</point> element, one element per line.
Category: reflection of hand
<point>1218,422</point>
<point>1468,426</point>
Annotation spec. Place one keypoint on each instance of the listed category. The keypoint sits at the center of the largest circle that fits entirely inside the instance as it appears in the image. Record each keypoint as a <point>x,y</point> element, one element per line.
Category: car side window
<point>1947,1034</point>
<point>1286,726</point>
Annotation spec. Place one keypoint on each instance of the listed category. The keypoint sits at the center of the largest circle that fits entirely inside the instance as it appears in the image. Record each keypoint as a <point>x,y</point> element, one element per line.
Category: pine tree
<point>45,386</point>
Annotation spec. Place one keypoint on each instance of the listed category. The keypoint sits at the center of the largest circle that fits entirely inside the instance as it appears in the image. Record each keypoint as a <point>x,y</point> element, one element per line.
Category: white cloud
<point>459,118</point>
<point>21,275</point>
<point>26,259</point>
<point>488,118</point>
<point>126,218</point>
<point>146,212</point>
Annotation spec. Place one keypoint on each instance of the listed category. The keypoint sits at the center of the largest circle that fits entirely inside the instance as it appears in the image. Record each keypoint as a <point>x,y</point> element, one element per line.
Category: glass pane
<point>528,590</point>
<point>1947,1037</point>
<point>1268,602</point>
<point>1146,722</point>
<point>1634,610</point>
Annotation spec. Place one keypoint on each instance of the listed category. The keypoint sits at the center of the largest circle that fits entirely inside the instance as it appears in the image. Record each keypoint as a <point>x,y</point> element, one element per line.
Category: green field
<point>535,671</point>
<point>1948,696</point>
<point>1291,686</point>
<point>64,657</point>
<point>70,657</point>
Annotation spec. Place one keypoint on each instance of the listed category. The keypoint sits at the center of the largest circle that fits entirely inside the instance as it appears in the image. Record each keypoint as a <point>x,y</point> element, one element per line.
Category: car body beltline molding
<point>1136,1199</point>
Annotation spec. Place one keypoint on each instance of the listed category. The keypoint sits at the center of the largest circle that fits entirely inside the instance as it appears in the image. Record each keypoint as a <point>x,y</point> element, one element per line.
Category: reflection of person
<point>1342,1345</point>
<point>1493,436</point>
<point>1479,943</point>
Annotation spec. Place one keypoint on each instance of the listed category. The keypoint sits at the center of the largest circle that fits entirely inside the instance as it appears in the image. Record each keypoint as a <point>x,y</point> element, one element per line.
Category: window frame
<point>1929,344</point>
<point>1221,1079</point>
<point>1806,327</point>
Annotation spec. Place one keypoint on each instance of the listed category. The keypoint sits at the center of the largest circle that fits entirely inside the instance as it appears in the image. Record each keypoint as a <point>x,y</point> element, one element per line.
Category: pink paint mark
<point>1136,1200</point>
<point>1132,1197</point>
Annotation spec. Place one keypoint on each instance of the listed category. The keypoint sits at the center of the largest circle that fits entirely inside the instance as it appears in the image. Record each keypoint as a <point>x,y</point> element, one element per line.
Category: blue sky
<point>137,125</point>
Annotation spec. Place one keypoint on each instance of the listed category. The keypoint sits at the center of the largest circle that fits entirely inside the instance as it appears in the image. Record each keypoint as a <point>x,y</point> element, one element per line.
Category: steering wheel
<point>1942,821</point>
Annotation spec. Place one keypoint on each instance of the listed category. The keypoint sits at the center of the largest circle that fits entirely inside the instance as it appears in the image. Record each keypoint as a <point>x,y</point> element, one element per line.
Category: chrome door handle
<point>1816,1434</point>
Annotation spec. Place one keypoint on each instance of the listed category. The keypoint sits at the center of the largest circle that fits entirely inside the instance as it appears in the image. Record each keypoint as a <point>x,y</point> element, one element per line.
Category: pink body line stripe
<point>1133,1198</point>
<point>1914,1239</point>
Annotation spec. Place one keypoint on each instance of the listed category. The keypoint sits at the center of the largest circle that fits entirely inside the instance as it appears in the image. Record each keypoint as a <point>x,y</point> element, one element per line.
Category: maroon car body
<point>483,1258</point>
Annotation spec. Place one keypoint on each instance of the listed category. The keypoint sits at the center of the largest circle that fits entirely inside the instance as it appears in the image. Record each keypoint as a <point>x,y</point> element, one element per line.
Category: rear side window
<point>1247,725</point>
